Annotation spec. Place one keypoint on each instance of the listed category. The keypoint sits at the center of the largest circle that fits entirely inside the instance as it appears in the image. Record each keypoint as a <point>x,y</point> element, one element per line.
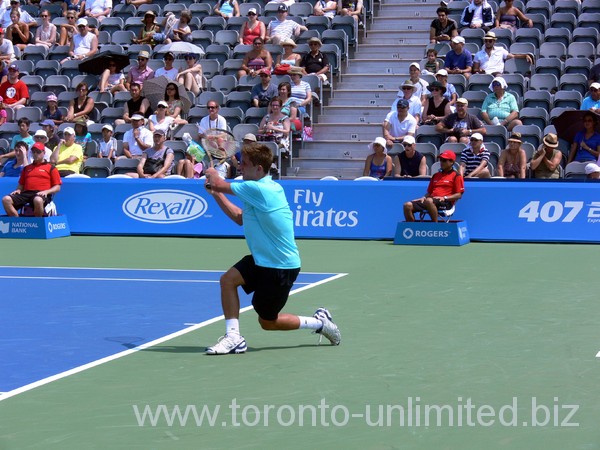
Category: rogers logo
<point>164,206</point>
<point>408,233</point>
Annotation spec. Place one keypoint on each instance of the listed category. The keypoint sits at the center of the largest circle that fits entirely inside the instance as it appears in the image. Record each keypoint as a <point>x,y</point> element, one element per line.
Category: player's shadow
<point>200,348</point>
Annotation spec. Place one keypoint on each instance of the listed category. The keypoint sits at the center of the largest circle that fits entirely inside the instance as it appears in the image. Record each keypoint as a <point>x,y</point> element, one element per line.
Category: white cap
<point>69,130</point>
<point>249,137</point>
<point>442,72</point>
<point>408,140</point>
<point>415,64</point>
<point>43,134</point>
<point>477,136</point>
<point>137,117</point>
<point>595,85</point>
<point>458,40</point>
<point>592,168</point>
<point>108,127</point>
<point>163,103</point>
<point>82,22</point>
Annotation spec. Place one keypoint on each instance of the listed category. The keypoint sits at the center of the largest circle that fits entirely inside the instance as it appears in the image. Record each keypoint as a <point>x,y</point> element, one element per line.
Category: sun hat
<point>315,39</point>
<point>378,140</point>
<point>144,54</point>
<point>249,137</point>
<point>515,137</point>
<point>41,133</point>
<point>295,71</point>
<point>437,84</point>
<point>551,140</point>
<point>289,42</point>
<point>490,35</point>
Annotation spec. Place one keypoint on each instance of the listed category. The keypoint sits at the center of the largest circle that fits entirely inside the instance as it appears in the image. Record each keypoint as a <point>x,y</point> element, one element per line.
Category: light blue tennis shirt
<point>268,223</point>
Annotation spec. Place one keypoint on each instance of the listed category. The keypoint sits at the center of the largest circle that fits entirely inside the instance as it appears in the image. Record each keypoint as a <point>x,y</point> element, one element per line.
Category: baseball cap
<point>408,140</point>
<point>69,130</point>
<point>462,100</point>
<point>160,132</point>
<point>442,72</point>
<point>595,85</point>
<point>415,65</point>
<point>249,137</point>
<point>402,103</point>
<point>458,40</point>
<point>38,146</point>
<point>1,30</point>
<point>448,154</point>
<point>108,127</point>
<point>82,22</point>
<point>13,67</point>
<point>282,8</point>
<point>137,117</point>
<point>52,98</point>
<point>163,103</point>
<point>252,11</point>
<point>477,136</point>
<point>591,168</point>
<point>48,123</point>
<point>264,71</point>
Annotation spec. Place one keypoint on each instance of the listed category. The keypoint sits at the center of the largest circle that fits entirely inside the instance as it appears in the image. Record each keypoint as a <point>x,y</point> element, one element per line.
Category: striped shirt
<point>300,91</point>
<point>282,29</point>
<point>472,160</point>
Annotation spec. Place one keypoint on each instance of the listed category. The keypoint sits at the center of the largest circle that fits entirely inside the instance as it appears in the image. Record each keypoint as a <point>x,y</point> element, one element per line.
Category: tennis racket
<point>219,145</point>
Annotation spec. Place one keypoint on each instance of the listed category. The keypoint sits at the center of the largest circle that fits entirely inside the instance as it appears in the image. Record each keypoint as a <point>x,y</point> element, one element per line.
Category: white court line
<point>67,373</point>
<point>161,280</point>
<point>598,355</point>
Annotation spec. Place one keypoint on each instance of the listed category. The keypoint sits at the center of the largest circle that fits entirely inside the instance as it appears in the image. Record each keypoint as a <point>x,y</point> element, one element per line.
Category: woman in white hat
<point>379,163</point>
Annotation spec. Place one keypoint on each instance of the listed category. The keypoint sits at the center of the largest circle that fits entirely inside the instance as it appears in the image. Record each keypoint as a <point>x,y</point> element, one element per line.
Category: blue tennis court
<point>59,319</point>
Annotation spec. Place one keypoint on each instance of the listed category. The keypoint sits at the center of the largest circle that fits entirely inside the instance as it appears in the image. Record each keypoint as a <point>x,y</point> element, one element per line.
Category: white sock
<point>232,327</point>
<point>311,323</point>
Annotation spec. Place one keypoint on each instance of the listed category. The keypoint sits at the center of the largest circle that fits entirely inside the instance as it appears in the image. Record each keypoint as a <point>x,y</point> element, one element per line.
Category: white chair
<point>120,175</point>
<point>176,177</point>
<point>366,178</point>
<point>444,215</point>
<point>330,178</point>
<point>77,175</point>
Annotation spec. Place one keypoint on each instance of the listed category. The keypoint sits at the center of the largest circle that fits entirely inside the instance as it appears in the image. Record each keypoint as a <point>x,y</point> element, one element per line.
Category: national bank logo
<point>4,227</point>
<point>164,206</point>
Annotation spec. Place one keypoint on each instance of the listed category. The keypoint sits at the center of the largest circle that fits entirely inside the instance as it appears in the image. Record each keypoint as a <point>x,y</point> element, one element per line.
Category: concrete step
<point>400,24</point>
<point>384,102</point>
<point>416,37</point>
<point>389,51</point>
<point>345,151</point>
<point>372,80</point>
<point>406,9</point>
<point>367,97</point>
<point>319,163</point>
<point>352,131</point>
<point>355,114</point>
<point>379,66</point>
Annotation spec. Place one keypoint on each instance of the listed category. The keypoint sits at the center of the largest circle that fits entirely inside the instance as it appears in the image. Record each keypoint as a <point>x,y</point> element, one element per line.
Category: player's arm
<point>218,188</point>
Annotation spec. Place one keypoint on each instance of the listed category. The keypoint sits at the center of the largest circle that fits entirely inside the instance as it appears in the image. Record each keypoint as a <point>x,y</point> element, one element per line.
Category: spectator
<point>594,74</point>
<point>301,92</point>
<point>478,14</point>
<point>252,29</point>
<point>459,60</point>
<point>586,144</point>
<point>108,145</point>
<point>490,59</point>
<point>77,7</point>
<point>137,104</point>
<point>445,188</point>
<point>314,61</point>
<point>68,30</point>
<point>84,44</point>
<point>45,34</point>
<point>14,166</point>
<point>41,136</point>
<point>474,159</point>
<point>442,29</point>
<point>161,121</point>
<point>149,29</point>
<point>49,127</point>
<point>275,126</point>
<point>7,50</point>
<point>352,8</point>
<point>288,56</point>
<point>111,80</point>
<point>14,91</point>
<point>137,3</point>
<point>180,31</point>
<point>192,77</point>
<point>592,101</point>
<point>68,154</point>
<point>281,28</point>
<point>513,161</point>
<point>508,16</point>
<point>500,107</point>
<point>24,124</point>
<point>37,183</point>
<point>138,139</point>
<point>419,84</point>
<point>24,15</point>
<point>256,59</point>
<point>408,93</point>
<point>174,102</point>
<point>82,136</point>
<point>399,124</point>
<point>432,65</point>
<point>263,92</point>
<point>459,126</point>
<point>3,72</point>
<point>98,9</point>
<point>409,163</point>
<point>327,8</point>
<point>81,106</point>
<point>168,70</point>
<point>289,105</point>
<point>52,112</point>
<point>17,32</point>
<point>450,93</point>
<point>140,73</point>
<point>437,107</point>
<point>3,113</point>
<point>227,9</point>
<point>157,160</point>
<point>213,120</point>
<point>592,170</point>
<point>378,164</point>
<point>545,163</point>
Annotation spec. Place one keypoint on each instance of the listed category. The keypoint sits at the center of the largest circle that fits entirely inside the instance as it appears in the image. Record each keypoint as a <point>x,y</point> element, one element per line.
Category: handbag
<point>282,69</point>
<point>269,137</point>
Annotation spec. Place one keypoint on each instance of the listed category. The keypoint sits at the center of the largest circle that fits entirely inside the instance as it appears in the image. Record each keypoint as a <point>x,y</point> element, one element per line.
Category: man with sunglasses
<point>399,124</point>
<point>460,126</point>
<point>445,188</point>
<point>490,59</point>
<point>84,44</point>
<point>592,101</point>
<point>37,183</point>
<point>140,73</point>
<point>281,28</point>
<point>168,70</point>
<point>314,61</point>
<point>213,120</point>
<point>414,101</point>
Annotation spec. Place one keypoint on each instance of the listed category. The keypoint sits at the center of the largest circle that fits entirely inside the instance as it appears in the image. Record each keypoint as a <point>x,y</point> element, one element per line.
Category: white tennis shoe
<point>228,345</point>
<point>329,329</point>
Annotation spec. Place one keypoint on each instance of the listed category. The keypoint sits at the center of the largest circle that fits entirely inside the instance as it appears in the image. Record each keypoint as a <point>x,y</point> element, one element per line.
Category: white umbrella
<point>181,47</point>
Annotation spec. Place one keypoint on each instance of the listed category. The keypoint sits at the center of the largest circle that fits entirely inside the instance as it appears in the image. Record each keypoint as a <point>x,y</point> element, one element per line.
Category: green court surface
<point>498,341</point>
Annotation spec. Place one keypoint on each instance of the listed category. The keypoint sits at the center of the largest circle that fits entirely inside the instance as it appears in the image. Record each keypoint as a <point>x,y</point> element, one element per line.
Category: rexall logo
<point>164,206</point>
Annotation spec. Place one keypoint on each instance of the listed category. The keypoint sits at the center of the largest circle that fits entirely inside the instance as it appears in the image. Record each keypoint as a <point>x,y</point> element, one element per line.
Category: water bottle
<point>193,148</point>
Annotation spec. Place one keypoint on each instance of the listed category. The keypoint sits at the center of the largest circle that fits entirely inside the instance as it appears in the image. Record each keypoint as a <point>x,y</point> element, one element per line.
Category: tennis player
<point>271,269</point>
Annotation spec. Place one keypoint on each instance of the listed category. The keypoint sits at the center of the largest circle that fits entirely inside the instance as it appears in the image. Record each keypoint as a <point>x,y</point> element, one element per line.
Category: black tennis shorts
<point>271,287</point>
<point>26,198</point>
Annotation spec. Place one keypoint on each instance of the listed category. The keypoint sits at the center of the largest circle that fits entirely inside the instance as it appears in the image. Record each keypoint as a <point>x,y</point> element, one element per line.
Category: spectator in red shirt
<point>445,188</point>
<point>14,92</point>
<point>38,182</point>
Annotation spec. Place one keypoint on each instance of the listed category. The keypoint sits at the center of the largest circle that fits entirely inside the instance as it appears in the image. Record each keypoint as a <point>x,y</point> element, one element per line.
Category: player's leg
<point>38,206</point>
<point>8,203</point>
<point>431,208</point>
